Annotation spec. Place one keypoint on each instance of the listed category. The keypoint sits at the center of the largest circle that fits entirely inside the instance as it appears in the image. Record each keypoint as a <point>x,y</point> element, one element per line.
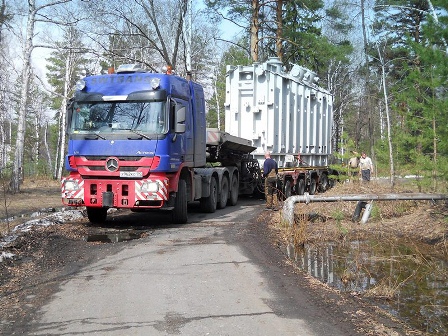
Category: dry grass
<point>35,195</point>
<point>424,221</point>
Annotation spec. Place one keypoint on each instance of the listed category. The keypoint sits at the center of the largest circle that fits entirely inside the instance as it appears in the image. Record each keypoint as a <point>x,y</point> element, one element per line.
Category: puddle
<point>407,280</point>
<point>114,237</point>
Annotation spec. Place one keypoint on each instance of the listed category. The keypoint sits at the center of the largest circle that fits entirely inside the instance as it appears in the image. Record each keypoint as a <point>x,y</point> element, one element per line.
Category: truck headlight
<point>149,187</point>
<point>71,185</point>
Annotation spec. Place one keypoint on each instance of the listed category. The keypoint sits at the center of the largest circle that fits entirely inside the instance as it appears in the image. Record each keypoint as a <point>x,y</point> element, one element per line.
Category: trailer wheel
<point>179,214</point>
<point>97,215</point>
<point>234,190</point>
<point>324,185</point>
<point>313,186</point>
<point>208,204</point>
<point>224,193</point>
<point>300,187</point>
<point>287,191</point>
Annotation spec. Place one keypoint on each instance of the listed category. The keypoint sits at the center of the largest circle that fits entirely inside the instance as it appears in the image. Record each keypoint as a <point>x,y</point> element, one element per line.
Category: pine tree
<point>418,78</point>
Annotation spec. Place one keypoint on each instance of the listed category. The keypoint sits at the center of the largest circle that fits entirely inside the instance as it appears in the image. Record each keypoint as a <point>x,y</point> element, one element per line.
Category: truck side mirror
<point>179,123</point>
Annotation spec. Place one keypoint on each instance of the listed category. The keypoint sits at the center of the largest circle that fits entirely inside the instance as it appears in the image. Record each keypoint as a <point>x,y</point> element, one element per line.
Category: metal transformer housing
<point>285,113</point>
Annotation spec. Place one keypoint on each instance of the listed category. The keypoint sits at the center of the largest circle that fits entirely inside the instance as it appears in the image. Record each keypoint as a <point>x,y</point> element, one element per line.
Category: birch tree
<point>5,84</point>
<point>35,14</point>
<point>65,64</point>
<point>388,121</point>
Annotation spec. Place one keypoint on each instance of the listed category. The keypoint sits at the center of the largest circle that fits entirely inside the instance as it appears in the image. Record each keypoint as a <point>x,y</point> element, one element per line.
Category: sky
<point>228,31</point>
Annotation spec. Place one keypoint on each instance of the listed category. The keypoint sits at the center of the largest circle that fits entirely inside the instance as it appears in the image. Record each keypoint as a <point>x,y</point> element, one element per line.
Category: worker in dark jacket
<point>270,171</point>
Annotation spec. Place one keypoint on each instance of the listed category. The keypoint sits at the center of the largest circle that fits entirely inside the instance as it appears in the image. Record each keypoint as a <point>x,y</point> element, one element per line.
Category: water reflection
<point>113,237</point>
<point>408,280</point>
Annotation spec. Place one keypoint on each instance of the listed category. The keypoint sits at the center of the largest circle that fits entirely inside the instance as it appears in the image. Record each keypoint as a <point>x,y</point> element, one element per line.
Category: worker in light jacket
<point>270,171</point>
<point>365,167</point>
<point>353,165</point>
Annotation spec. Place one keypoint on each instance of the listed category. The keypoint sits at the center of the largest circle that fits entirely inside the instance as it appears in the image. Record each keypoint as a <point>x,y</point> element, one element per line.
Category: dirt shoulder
<point>37,196</point>
<point>419,221</point>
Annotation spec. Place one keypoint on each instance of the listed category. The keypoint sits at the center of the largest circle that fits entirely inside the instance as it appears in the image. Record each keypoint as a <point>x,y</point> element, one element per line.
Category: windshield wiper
<point>94,136</point>
<point>139,133</point>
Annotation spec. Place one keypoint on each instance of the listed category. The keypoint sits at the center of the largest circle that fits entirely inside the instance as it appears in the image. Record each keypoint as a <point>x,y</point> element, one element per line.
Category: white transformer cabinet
<point>285,113</point>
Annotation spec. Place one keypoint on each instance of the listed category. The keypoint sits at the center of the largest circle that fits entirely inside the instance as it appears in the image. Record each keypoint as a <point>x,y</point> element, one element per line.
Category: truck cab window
<point>104,117</point>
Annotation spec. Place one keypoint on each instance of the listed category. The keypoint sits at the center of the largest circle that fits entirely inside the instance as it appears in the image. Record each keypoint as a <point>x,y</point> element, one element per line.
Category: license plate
<point>131,174</point>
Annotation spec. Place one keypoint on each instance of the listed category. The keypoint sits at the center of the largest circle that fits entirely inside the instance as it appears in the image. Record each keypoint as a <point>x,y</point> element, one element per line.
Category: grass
<point>35,195</point>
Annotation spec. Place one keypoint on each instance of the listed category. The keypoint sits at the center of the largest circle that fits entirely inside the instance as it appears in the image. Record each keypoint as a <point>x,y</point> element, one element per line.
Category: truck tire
<point>313,186</point>
<point>287,191</point>
<point>97,215</point>
<point>300,187</point>
<point>224,193</point>
<point>234,186</point>
<point>179,215</point>
<point>208,204</point>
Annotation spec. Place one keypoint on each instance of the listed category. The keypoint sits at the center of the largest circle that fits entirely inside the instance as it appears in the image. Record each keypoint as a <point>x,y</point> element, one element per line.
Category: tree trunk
<point>63,125</point>
<point>36,146</point>
<point>279,33</point>
<point>254,28</point>
<point>47,150</point>
<point>434,171</point>
<point>58,161</point>
<point>436,19</point>
<point>389,136</point>
<point>17,171</point>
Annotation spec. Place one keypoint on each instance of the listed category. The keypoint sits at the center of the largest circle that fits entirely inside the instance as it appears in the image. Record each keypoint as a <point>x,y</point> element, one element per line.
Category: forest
<point>385,62</point>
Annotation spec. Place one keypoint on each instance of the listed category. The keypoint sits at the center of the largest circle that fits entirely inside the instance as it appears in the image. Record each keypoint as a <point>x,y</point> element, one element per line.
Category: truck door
<point>183,138</point>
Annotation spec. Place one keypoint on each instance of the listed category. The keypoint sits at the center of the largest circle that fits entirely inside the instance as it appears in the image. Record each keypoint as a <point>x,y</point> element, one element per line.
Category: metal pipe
<point>288,207</point>
<point>366,214</point>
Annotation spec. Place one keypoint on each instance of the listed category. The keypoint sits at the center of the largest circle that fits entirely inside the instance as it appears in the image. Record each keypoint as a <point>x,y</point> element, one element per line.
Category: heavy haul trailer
<point>287,114</point>
<point>138,140</point>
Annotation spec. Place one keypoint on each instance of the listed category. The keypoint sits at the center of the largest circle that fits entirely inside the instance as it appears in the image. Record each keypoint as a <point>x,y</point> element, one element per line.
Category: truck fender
<point>206,174</point>
<point>186,174</point>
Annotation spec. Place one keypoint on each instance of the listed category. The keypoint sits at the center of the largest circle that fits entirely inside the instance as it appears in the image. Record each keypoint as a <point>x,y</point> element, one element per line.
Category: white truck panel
<point>285,113</point>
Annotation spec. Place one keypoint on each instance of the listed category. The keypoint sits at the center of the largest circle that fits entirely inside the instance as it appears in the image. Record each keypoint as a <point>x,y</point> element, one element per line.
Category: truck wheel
<point>224,193</point>
<point>287,192</point>
<point>97,215</point>
<point>179,214</point>
<point>234,190</point>
<point>300,187</point>
<point>313,186</point>
<point>208,204</point>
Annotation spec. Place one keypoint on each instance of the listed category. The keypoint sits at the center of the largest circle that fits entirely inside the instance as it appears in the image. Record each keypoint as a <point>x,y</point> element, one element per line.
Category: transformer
<point>285,113</point>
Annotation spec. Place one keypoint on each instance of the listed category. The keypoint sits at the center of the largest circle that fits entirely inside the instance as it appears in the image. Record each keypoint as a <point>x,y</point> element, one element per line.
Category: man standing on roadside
<point>353,164</point>
<point>366,167</point>
<point>270,170</point>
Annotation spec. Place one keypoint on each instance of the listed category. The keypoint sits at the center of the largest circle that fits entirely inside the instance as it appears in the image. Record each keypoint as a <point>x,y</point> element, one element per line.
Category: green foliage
<point>341,160</point>
<point>422,133</point>
<point>70,51</point>
<point>375,212</point>
<point>304,42</point>
<point>233,56</point>
<point>302,39</point>
<point>338,215</point>
<point>414,51</point>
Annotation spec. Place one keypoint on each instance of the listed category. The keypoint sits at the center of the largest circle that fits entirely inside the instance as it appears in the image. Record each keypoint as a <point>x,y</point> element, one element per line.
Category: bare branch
<point>51,4</point>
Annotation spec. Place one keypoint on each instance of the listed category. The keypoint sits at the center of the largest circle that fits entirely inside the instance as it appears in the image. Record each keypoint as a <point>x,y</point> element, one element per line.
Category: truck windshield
<point>105,117</point>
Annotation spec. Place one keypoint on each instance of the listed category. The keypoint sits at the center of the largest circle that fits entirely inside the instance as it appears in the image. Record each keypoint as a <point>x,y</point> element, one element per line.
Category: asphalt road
<point>212,276</point>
